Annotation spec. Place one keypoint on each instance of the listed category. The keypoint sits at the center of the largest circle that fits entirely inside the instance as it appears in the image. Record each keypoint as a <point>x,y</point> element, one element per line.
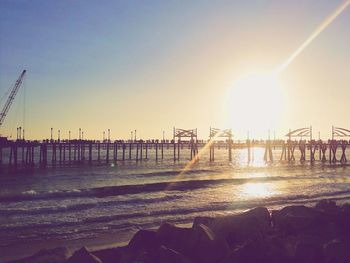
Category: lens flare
<point>340,9</point>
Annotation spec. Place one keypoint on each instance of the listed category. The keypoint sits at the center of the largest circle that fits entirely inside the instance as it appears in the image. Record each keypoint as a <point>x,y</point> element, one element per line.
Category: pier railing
<point>74,152</point>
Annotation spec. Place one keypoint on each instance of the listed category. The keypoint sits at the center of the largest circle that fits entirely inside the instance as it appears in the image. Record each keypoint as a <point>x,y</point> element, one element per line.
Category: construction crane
<point>11,97</point>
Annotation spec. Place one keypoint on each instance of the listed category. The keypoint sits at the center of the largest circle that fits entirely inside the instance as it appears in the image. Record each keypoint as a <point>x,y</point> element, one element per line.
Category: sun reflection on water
<point>257,190</point>
<point>256,157</point>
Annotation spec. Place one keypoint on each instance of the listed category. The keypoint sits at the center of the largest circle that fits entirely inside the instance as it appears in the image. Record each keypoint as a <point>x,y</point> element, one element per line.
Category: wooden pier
<point>76,152</point>
<point>51,153</point>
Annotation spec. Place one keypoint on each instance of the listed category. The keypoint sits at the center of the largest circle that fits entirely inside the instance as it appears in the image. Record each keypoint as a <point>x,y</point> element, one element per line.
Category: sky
<point>154,65</point>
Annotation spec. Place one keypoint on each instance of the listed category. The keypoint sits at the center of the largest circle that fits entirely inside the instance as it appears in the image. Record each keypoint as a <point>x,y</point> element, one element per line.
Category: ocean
<point>102,204</point>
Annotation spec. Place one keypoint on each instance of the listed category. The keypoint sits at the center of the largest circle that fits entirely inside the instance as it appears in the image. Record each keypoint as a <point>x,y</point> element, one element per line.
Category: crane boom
<point>11,97</point>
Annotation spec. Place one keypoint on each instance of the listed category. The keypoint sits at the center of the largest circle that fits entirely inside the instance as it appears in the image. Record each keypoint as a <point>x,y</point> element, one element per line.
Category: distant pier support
<point>343,158</point>
<point>218,133</point>
<point>268,156</point>
<point>79,152</point>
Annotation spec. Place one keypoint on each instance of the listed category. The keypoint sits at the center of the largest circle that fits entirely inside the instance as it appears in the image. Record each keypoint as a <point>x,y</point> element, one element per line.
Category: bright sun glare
<point>251,190</point>
<point>256,104</point>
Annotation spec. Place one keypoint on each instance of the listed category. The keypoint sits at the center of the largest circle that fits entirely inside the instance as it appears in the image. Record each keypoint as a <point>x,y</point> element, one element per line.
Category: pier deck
<point>74,152</point>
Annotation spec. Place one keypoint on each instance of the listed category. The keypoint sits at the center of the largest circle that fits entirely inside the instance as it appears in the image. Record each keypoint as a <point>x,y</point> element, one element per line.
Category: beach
<point>99,206</point>
<point>313,234</point>
<point>174,131</point>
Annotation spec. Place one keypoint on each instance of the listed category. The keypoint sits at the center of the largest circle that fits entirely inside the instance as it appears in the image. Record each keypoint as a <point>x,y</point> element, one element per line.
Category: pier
<point>51,153</point>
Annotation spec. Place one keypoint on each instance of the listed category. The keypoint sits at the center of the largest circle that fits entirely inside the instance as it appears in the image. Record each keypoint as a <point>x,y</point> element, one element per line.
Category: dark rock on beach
<point>319,234</point>
<point>83,255</point>
<point>144,240</point>
<point>110,255</point>
<point>55,255</point>
<point>198,243</point>
<point>235,229</point>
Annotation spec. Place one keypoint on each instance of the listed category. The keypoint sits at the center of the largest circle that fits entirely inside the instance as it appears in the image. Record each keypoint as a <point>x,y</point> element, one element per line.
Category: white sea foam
<point>30,192</point>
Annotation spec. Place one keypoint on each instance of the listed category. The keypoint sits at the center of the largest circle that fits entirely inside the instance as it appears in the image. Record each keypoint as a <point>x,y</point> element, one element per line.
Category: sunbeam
<point>340,9</point>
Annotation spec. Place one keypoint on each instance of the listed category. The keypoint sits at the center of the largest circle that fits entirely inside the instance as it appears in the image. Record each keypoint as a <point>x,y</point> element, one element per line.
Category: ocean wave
<point>84,206</point>
<point>175,173</point>
<point>117,190</point>
<point>188,211</point>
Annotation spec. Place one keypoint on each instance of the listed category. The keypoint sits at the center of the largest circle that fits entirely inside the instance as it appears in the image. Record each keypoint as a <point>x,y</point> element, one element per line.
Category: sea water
<point>80,203</point>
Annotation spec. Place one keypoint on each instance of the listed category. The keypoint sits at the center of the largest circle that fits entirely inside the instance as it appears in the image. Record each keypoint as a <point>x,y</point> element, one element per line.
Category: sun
<point>256,104</point>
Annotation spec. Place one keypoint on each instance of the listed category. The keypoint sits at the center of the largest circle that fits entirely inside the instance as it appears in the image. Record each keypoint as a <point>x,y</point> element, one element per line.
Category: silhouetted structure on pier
<point>73,152</point>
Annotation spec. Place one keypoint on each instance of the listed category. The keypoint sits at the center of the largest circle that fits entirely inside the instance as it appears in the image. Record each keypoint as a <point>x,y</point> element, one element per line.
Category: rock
<point>83,256</point>
<point>300,219</point>
<point>199,243</point>
<point>144,240</point>
<point>202,220</point>
<point>290,245</point>
<point>182,240</point>
<point>336,251</point>
<point>160,255</point>
<point>141,257</point>
<point>269,249</point>
<point>345,208</point>
<point>168,255</point>
<point>328,206</point>
<point>309,250</point>
<point>110,255</point>
<point>209,248</point>
<point>55,255</point>
<point>248,252</point>
<point>343,222</point>
<point>236,229</point>
<point>262,215</point>
<point>273,250</point>
<point>141,248</point>
<point>250,225</point>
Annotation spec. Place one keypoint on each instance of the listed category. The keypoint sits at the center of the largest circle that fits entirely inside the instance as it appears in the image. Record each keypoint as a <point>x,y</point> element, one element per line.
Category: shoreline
<point>291,234</point>
<point>104,241</point>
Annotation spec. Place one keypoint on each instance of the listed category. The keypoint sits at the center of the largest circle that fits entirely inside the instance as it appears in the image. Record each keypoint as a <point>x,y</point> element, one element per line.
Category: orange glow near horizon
<point>256,101</point>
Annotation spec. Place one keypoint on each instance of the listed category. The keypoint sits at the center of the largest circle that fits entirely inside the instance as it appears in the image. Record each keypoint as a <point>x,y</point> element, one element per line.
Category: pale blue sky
<point>150,65</point>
